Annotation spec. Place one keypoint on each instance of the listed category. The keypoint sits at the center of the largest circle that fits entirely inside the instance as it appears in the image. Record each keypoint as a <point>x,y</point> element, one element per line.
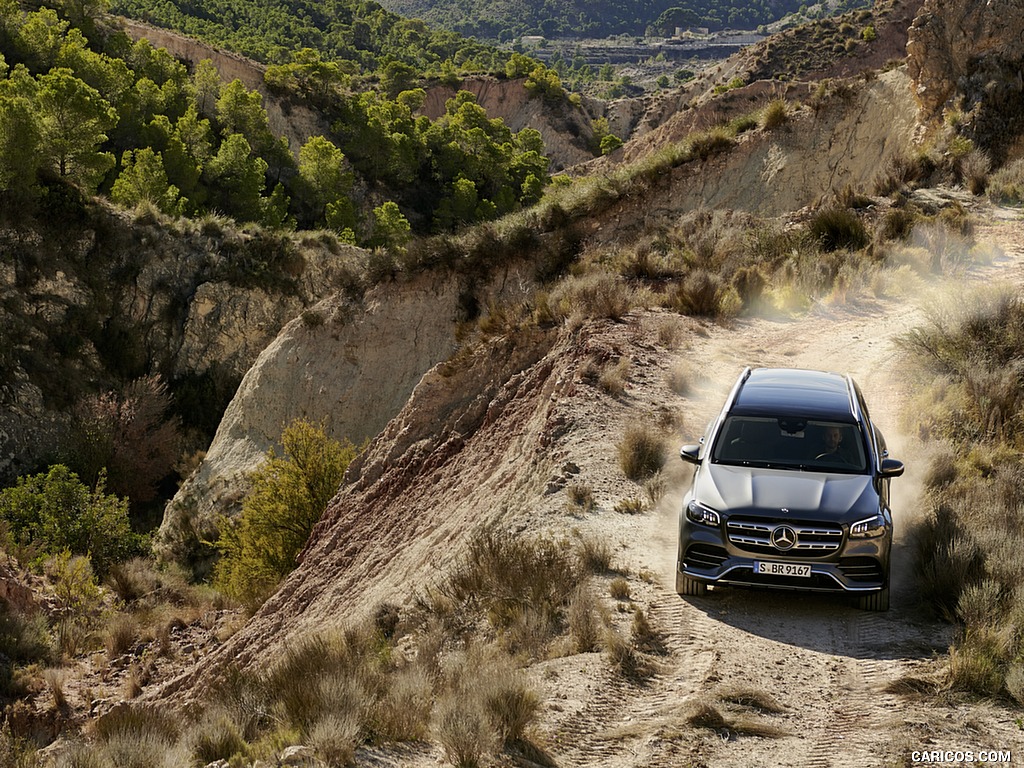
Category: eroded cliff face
<point>348,364</point>
<point>93,302</point>
<point>847,141</point>
<point>968,55</point>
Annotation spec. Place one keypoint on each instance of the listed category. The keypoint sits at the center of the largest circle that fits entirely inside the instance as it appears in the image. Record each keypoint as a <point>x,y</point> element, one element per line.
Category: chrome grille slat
<point>811,538</point>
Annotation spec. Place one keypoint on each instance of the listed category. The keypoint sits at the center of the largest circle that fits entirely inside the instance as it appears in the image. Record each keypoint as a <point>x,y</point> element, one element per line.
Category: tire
<point>875,601</point>
<point>690,587</point>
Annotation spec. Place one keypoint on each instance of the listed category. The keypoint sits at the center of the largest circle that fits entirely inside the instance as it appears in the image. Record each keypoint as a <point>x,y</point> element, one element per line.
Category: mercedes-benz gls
<point>790,491</point>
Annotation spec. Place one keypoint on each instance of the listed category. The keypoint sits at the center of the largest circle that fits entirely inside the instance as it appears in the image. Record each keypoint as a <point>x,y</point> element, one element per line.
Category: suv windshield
<point>787,443</point>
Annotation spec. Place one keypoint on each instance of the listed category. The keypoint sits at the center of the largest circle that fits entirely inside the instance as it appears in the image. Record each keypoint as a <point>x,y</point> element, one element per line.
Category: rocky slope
<point>846,140</point>
<point>349,364</point>
<point>105,297</point>
<point>967,57</point>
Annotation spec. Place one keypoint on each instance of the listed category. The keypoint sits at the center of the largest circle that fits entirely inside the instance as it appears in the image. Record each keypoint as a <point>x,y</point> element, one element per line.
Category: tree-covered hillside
<point>360,33</point>
<point>509,19</point>
<point>82,104</point>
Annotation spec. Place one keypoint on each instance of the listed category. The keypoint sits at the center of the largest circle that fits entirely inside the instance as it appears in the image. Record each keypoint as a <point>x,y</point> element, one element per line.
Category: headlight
<point>698,513</point>
<point>869,528</point>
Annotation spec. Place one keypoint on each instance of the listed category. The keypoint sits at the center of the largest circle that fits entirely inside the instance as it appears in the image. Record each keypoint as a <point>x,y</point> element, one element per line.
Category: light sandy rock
<point>807,160</point>
<point>350,365</point>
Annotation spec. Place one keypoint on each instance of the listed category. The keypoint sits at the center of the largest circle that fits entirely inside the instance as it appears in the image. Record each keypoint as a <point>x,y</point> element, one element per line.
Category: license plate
<point>782,569</point>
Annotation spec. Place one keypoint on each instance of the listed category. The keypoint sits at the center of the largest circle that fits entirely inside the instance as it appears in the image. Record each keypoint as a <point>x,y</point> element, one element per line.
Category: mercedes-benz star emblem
<point>783,537</point>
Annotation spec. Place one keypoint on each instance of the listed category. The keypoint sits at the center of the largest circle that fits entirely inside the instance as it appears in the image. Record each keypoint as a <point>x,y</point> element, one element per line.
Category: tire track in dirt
<point>625,723</point>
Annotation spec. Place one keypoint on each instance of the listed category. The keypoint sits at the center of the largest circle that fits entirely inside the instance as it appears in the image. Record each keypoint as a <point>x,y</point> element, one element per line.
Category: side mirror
<point>891,468</point>
<point>689,453</point>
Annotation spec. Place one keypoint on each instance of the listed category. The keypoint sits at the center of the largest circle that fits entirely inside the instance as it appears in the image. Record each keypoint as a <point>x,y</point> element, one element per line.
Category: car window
<point>791,443</point>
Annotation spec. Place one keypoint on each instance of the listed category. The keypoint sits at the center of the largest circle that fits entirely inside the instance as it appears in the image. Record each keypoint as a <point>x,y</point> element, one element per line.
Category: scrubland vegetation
<point>969,548</point>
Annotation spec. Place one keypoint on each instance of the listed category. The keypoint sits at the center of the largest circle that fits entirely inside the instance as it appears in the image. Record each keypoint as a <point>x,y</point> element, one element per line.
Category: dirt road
<point>820,659</point>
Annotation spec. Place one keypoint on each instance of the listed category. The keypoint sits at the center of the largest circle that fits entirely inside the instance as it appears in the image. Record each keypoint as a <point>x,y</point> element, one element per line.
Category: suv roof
<point>794,392</point>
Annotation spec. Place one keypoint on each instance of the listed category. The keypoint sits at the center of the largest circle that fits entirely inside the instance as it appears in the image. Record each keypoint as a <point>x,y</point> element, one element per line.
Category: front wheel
<point>875,601</point>
<point>690,587</point>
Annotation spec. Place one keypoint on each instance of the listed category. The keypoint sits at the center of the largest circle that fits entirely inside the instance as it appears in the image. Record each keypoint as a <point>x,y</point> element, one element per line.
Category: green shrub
<point>78,600</point>
<point>288,496</point>
<point>54,511</point>
<point>838,228</point>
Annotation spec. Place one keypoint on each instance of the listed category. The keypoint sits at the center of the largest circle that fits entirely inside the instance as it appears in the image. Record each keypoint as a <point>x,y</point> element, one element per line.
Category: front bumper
<point>856,566</point>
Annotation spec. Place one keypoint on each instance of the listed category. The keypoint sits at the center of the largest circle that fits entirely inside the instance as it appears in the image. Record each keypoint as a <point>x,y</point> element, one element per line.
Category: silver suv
<point>790,491</point>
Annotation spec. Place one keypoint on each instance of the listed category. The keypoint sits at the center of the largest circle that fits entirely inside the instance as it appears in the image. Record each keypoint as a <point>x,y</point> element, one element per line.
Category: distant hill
<point>506,20</point>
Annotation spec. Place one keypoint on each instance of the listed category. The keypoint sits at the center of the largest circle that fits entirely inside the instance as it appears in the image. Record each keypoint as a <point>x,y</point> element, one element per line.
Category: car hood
<point>729,488</point>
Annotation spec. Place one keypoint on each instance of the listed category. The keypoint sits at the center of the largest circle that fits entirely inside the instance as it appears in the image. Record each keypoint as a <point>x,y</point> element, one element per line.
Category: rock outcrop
<point>349,364</point>
<point>473,442</point>
<point>846,142</point>
<point>969,56</point>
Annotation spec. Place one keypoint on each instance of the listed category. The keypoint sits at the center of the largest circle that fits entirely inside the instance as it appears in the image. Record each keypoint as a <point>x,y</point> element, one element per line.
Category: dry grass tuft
<point>613,379</point>
<point>595,555</point>
<point>775,114</point>
<point>581,497</point>
<point>619,588</point>
<point>583,621</point>
<point>641,453</point>
<point>215,737</point>
<point>629,506</point>
<point>706,713</point>
<point>121,633</point>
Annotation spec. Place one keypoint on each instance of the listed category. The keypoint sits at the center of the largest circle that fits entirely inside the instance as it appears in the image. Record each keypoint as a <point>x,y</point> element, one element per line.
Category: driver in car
<point>832,439</point>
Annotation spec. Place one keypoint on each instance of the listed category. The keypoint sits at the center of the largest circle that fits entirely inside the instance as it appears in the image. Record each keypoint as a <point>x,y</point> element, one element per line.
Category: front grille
<point>812,539</point>
<point>704,556</point>
<point>861,569</point>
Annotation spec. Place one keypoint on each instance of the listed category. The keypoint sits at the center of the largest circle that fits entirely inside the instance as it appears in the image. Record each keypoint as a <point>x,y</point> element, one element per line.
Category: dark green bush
<point>54,511</point>
<point>838,228</point>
